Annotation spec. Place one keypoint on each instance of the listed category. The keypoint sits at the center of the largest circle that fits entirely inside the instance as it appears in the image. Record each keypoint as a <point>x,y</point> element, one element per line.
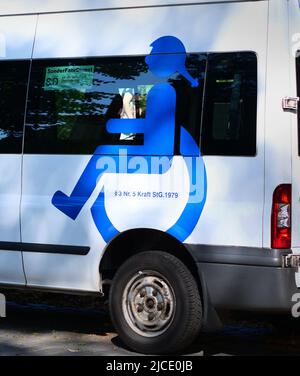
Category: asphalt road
<point>44,324</point>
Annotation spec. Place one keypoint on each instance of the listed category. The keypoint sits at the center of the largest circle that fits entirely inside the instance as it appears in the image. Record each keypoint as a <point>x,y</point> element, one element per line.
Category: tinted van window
<point>71,100</point>
<point>13,88</point>
<point>230,106</point>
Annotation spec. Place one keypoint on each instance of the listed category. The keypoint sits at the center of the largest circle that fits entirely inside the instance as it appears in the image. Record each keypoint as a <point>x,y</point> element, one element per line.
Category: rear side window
<point>71,100</point>
<point>13,88</point>
<point>230,105</point>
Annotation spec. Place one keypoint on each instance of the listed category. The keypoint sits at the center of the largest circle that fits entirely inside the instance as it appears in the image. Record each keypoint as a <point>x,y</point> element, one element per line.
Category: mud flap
<point>211,320</point>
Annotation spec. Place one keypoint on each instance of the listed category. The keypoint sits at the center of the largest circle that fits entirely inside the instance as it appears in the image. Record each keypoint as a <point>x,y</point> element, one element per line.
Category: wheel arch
<point>132,242</point>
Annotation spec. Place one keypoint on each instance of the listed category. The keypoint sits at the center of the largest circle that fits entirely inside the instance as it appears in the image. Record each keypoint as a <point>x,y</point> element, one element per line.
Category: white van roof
<point>15,7</point>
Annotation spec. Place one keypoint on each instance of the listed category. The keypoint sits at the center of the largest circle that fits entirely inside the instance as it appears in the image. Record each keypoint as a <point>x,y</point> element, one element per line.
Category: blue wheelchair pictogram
<point>167,57</point>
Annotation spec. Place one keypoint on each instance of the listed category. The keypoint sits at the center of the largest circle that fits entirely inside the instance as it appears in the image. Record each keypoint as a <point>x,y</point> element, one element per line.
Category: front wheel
<point>155,303</point>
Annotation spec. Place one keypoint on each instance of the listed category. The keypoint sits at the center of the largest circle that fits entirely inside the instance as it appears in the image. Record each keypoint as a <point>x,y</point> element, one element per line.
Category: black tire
<point>186,313</point>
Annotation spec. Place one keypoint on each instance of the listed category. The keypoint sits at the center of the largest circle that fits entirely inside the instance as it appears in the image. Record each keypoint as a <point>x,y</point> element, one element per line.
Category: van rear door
<point>294,38</point>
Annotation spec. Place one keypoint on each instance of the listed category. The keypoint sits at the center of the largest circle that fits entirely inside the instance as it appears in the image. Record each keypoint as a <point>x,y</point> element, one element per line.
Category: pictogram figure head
<point>168,56</point>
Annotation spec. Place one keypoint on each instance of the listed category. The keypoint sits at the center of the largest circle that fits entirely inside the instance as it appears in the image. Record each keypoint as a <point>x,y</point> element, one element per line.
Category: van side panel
<point>234,207</point>
<point>17,37</point>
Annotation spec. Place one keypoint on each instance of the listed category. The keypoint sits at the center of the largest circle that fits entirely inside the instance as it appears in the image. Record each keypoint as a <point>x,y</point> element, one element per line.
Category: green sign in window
<point>78,77</point>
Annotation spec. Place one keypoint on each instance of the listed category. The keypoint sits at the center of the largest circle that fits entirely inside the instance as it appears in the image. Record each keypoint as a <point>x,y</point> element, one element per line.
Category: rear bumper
<point>251,288</point>
<point>243,278</point>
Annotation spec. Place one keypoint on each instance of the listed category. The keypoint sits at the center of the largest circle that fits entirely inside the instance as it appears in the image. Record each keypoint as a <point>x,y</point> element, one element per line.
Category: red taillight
<point>281,217</point>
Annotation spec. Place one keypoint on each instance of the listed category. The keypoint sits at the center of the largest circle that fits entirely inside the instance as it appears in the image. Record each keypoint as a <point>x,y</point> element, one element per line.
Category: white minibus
<point>150,150</point>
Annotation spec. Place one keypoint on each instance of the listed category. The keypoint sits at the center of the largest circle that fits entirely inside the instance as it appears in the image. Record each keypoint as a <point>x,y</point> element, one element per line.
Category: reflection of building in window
<point>128,110</point>
<point>134,105</point>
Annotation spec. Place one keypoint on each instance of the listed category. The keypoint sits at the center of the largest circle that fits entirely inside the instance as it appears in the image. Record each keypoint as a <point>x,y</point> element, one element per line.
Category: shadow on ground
<point>56,324</point>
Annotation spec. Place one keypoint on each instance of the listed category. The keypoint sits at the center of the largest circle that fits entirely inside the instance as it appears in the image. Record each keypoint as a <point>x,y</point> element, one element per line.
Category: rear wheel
<point>155,303</point>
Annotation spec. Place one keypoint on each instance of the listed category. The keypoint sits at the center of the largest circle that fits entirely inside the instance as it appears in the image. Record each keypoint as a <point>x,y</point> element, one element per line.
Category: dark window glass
<point>229,116</point>
<point>13,88</point>
<point>298,94</point>
<point>189,99</point>
<point>71,100</point>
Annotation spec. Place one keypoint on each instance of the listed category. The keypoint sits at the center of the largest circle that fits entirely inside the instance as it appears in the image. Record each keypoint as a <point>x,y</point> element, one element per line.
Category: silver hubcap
<point>148,303</point>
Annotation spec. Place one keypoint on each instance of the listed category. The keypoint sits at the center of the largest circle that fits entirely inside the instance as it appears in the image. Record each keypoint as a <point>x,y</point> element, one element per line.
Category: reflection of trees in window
<point>222,107</point>
<point>70,116</point>
<point>73,121</point>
